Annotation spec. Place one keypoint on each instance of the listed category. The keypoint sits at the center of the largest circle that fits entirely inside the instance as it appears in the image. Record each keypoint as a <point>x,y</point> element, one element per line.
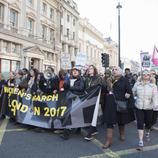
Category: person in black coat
<point>109,112</point>
<point>32,81</point>
<point>75,85</point>
<point>2,83</point>
<point>123,92</point>
<point>92,79</point>
<point>49,82</point>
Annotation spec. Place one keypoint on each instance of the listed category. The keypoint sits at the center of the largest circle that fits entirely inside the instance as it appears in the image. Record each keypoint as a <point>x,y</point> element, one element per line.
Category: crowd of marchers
<point>125,97</point>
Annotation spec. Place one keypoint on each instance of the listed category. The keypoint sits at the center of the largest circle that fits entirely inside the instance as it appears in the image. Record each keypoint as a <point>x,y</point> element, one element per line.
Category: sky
<point>138,18</point>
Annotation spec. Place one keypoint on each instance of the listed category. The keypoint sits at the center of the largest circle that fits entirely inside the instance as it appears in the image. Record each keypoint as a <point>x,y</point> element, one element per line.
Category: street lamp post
<point>119,49</point>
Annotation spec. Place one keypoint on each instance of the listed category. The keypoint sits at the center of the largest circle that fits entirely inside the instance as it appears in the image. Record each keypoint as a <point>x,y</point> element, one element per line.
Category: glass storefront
<point>15,65</point>
<point>5,67</point>
<point>8,65</point>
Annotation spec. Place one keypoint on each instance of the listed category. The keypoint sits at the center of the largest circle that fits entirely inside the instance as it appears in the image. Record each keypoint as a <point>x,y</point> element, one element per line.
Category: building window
<point>15,65</point>
<point>61,15</point>
<point>13,18</point>
<point>79,47</point>
<point>87,49</point>
<point>61,29</point>
<point>69,49</point>
<point>5,66</point>
<point>63,47</point>
<point>91,50</point>
<point>51,13</point>
<point>51,35</point>
<point>30,25</point>
<point>14,48</point>
<point>30,3</point>
<point>44,32</point>
<point>74,22</point>
<point>44,8</point>
<point>73,36</point>
<point>1,12</point>
<point>68,32</point>
<point>5,47</point>
<point>75,51</point>
<point>53,56</point>
<point>68,18</point>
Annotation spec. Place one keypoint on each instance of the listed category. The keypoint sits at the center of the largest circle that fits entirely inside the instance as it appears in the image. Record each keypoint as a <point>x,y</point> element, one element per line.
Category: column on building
<point>66,48</point>
<point>1,45</point>
<point>27,60</point>
<point>23,21</point>
<point>72,53</point>
<point>41,65</point>
<point>6,14</point>
<point>38,26</point>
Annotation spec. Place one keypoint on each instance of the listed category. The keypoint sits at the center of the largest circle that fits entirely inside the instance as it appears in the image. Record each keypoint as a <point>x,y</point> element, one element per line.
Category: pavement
<point>21,141</point>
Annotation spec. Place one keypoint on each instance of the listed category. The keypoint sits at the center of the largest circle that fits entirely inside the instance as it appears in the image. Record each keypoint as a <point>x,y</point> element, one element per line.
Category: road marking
<point>132,151</point>
<point>118,154</point>
<point>155,128</point>
<point>12,130</point>
<point>3,128</point>
<point>107,152</point>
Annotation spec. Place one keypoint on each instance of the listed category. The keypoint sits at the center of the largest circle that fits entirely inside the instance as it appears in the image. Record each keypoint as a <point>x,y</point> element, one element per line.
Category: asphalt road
<point>19,141</point>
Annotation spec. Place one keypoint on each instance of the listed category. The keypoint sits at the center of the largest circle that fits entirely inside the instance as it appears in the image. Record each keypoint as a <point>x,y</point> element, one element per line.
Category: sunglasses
<point>153,73</point>
<point>114,69</point>
<point>146,74</point>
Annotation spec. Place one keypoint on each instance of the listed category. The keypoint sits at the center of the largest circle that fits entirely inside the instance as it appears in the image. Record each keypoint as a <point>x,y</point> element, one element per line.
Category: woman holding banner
<point>91,80</point>
<point>74,84</point>
<point>32,81</point>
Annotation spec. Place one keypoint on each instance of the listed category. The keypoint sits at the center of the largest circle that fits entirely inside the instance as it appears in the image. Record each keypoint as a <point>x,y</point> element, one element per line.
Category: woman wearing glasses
<point>145,91</point>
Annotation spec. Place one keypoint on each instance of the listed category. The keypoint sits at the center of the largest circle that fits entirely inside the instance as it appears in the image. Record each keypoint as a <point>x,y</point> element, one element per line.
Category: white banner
<point>65,61</point>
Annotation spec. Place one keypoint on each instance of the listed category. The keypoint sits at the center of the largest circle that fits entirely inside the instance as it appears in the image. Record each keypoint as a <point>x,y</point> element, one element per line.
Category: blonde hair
<point>151,79</point>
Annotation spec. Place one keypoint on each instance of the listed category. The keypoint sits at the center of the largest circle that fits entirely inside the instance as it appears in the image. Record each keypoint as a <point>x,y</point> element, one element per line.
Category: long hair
<point>36,72</point>
<point>62,74</point>
<point>95,69</point>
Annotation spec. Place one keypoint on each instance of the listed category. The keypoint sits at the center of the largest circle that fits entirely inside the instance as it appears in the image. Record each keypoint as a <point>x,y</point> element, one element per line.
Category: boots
<point>122,133</point>
<point>109,136</point>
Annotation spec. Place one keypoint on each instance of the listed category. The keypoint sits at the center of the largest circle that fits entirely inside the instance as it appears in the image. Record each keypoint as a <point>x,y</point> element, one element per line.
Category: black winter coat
<point>121,87</point>
<point>78,86</point>
<point>48,86</point>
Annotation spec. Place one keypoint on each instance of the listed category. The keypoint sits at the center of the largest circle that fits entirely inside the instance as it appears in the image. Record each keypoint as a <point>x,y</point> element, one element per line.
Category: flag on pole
<point>155,56</point>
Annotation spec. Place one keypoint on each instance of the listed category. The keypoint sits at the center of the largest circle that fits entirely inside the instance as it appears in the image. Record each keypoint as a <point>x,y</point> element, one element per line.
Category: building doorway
<point>34,63</point>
